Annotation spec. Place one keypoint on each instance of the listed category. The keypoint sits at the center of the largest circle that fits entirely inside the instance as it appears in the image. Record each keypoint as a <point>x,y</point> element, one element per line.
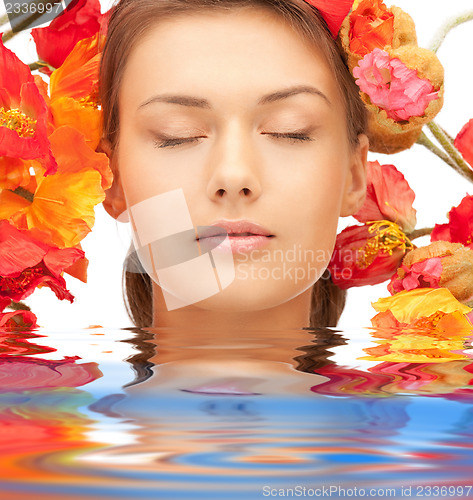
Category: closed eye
<point>293,137</point>
<point>169,142</point>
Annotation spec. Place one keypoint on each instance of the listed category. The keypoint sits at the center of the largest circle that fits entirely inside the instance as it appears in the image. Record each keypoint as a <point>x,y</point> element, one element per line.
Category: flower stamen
<point>14,119</point>
<point>388,236</point>
<point>59,202</point>
<point>92,100</point>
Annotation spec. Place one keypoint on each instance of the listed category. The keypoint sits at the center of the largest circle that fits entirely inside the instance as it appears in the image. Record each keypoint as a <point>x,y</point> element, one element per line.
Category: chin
<point>252,297</point>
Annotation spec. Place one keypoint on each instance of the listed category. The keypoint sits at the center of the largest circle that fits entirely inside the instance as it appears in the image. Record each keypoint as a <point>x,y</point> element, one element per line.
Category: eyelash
<point>293,138</point>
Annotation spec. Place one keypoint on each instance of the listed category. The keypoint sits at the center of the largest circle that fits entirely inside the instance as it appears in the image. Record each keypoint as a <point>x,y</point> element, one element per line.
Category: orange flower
<point>415,346</point>
<point>424,325</point>
<point>422,308</point>
<point>14,172</point>
<point>74,90</point>
<point>62,210</point>
<point>371,26</point>
<point>11,203</point>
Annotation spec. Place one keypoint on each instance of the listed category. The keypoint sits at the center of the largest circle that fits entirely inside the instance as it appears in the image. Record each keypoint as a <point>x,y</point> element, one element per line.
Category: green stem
<point>36,65</point>
<point>449,137</point>
<point>24,193</point>
<point>447,27</point>
<point>451,150</point>
<point>418,233</point>
<point>24,25</point>
<point>423,140</point>
<point>19,306</point>
<point>8,35</point>
<point>4,19</point>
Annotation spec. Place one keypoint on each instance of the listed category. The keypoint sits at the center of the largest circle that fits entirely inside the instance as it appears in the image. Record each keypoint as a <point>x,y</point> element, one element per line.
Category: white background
<point>437,188</point>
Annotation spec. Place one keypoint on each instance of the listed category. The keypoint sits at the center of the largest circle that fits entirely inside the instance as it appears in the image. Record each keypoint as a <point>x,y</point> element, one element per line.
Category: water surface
<point>164,414</point>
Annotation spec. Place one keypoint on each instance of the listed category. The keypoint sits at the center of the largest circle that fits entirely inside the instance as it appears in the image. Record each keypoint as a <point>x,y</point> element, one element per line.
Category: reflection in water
<point>208,415</point>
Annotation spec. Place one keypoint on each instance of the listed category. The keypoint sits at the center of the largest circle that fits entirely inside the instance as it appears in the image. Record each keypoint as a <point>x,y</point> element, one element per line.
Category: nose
<point>234,167</point>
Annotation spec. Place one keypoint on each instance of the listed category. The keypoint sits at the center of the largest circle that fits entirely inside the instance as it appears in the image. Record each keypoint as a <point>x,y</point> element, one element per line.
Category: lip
<point>244,235</point>
<point>231,387</point>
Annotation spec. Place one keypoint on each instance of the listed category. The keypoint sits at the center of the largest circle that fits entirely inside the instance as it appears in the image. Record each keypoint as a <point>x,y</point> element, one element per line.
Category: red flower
<point>23,114</point>
<point>370,254</point>
<point>464,142</point>
<point>367,255</point>
<point>333,12</point>
<point>81,19</point>
<point>388,196</point>
<point>459,229</point>
<point>18,343</point>
<point>26,264</point>
<point>17,320</point>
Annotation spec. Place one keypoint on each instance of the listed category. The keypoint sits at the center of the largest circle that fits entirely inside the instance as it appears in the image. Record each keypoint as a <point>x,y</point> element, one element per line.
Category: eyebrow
<point>195,102</point>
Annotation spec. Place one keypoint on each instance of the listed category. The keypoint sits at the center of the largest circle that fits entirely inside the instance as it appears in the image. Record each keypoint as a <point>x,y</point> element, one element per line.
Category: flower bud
<point>439,265</point>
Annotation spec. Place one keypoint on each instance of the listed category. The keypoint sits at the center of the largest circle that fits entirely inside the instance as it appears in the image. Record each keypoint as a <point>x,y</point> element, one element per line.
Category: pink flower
<point>440,264</point>
<point>22,373</point>
<point>423,274</point>
<point>392,86</point>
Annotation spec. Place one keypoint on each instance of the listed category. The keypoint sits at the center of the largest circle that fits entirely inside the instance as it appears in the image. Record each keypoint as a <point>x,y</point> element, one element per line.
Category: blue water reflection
<point>144,414</point>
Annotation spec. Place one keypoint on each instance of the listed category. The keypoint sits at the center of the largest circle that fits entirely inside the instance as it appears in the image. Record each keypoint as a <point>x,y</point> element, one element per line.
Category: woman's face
<point>242,114</point>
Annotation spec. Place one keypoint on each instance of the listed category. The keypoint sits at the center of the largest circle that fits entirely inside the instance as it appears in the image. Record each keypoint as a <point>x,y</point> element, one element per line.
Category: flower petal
<point>81,19</point>
<point>464,142</point>
<point>18,250</point>
<point>460,226</point>
<point>392,86</point>
<point>410,305</point>
<point>17,320</point>
<point>389,197</point>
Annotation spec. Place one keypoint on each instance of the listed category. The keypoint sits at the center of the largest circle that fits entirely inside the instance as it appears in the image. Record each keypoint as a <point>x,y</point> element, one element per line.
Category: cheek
<point>312,193</point>
<point>146,171</point>
<point>311,213</point>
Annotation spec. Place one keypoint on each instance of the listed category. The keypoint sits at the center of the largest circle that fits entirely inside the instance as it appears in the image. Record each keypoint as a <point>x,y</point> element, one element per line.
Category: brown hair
<point>129,21</point>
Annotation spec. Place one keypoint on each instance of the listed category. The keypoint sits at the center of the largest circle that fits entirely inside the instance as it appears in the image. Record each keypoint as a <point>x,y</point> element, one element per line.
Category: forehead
<point>243,53</point>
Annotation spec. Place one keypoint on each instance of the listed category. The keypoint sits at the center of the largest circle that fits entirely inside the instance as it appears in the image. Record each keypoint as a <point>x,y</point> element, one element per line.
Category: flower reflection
<point>40,406</point>
<point>417,346</point>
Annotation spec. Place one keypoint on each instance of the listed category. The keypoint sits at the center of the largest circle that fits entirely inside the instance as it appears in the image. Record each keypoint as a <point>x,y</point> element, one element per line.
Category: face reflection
<point>245,117</point>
